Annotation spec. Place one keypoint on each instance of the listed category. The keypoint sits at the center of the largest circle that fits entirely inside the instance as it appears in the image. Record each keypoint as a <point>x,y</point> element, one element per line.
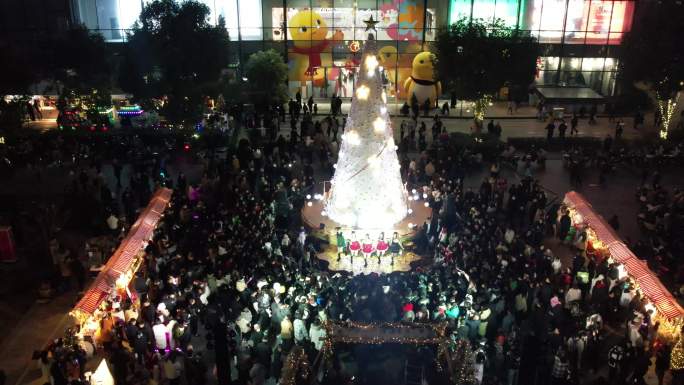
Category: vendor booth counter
<point>117,273</point>
<point>602,242</point>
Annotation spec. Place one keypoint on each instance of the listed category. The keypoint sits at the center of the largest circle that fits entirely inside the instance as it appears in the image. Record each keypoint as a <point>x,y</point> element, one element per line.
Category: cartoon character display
<point>410,23</point>
<point>397,67</point>
<point>422,82</point>
<point>311,49</point>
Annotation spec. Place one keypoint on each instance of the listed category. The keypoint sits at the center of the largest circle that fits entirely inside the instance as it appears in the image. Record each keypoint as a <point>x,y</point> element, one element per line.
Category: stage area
<point>324,228</point>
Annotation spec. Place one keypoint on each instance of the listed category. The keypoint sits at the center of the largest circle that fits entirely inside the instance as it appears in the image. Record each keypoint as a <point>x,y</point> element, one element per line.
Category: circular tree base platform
<point>324,228</point>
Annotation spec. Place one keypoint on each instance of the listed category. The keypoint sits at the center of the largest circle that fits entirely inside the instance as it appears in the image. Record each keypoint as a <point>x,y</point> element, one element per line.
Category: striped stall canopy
<point>620,252</point>
<point>603,230</point>
<point>637,269</point>
<point>90,301</point>
<point>574,198</point>
<point>669,308</point>
<point>649,284</point>
<point>124,257</point>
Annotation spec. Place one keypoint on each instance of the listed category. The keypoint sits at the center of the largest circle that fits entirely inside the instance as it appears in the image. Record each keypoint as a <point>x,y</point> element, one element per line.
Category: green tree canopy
<point>476,58</point>
<point>81,60</point>
<point>174,52</point>
<point>266,78</point>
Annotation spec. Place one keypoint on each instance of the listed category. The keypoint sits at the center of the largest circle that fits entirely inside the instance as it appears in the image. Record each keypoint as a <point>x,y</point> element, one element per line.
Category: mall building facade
<point>320,39</point>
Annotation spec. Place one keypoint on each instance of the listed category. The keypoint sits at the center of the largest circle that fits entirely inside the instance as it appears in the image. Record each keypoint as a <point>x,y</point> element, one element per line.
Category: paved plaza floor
<point>33,325</point>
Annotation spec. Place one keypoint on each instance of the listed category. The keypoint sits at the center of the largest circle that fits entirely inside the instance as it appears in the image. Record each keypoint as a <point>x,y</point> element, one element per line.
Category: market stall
<point>114,278</point>
<point>602,242</point>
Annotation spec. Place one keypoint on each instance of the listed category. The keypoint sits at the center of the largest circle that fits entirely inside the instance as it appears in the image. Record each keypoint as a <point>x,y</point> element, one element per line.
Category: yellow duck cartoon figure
<point>311,50</point>
<point>396,73</point>
<point>422,81</point>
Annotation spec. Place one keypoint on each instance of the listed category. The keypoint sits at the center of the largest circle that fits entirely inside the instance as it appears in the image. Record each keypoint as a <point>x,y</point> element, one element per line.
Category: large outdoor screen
<point>553,21</point>
<point>597,21</point>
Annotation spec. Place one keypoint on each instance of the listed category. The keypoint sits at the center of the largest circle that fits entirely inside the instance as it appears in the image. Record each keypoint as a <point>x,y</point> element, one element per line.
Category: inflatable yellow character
<point>422,82</point>
<point>396,73</point>
<point>311,49</point>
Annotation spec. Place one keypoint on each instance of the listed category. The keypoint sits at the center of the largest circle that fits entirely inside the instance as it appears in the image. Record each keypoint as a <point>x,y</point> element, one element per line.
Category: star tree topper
<point>370,24</point>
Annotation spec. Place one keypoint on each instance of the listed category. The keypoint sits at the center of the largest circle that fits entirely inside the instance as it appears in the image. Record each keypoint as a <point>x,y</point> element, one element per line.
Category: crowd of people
<point>231,282</point>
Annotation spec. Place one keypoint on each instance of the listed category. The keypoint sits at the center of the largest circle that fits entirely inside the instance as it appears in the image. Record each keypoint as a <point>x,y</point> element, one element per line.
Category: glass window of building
<point>228,9</point>
<point>551,19</point>
<point>484,10</point>
<point>111,18</point>
<point>507,10</point>
<point>576,22</point>
<point>460,9</point>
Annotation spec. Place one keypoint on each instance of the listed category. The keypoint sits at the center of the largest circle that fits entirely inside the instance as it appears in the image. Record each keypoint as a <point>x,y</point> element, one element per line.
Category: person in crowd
<point>574,122</point>
<point>230,267</point>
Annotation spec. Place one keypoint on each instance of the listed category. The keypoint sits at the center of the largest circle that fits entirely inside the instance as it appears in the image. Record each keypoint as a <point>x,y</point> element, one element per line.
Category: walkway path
<point>39,325</point>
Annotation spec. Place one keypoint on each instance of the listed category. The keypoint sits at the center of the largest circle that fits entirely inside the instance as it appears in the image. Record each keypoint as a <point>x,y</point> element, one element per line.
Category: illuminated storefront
<point>579,38</point>
<point>321,39</point>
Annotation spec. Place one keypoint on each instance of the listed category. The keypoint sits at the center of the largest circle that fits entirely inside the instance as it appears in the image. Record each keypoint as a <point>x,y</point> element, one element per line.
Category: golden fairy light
<point>371,64</point>
<point>362,92</point>
<point>379,125</point>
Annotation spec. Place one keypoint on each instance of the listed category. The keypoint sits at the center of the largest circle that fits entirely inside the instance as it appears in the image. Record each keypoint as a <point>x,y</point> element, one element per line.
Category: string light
<point>677,356</point>
<point>379,125</point>
<point>134,110</point>
<point>371,64</point>
<point>667,109</point>
<point>435,334</point>
<point>295,361</point>
<point>352,137</point>
<point>362,92</point>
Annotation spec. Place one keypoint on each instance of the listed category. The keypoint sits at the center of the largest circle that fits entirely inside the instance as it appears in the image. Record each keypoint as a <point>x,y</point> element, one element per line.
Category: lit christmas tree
<point>367,191</point>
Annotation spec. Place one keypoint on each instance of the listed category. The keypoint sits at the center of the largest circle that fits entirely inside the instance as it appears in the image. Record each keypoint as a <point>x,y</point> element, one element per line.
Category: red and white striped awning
<point>123,258</point>
<point>620,252</point>
<point>591,218</point>
<point>649,284</point>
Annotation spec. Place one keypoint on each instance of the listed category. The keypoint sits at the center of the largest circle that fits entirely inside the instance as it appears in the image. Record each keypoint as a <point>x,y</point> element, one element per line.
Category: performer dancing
<point>395,246</point>
<point>354,245</point>
<point>382,246</point>
<point>367,248</point>
<point>341,244</point>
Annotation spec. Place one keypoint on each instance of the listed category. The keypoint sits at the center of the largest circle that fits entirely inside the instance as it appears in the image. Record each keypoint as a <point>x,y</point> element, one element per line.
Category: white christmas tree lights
<point>367,191</point>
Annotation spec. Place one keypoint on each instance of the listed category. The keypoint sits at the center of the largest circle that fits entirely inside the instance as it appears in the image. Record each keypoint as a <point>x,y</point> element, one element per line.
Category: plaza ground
<point>522,123</point>
<point>28,326</point>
